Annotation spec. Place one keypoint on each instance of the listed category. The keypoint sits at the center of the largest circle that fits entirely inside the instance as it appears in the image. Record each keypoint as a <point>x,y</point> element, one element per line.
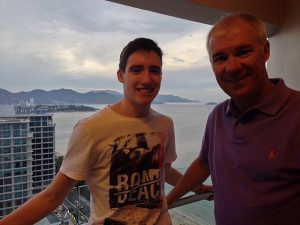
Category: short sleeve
<point>78,160</point>
<point>170,153</point>
<point>203,156</point>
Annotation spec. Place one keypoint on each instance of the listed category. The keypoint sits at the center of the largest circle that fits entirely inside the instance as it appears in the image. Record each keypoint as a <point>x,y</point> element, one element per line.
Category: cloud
<point>186,52</point>
<point>76,44</point>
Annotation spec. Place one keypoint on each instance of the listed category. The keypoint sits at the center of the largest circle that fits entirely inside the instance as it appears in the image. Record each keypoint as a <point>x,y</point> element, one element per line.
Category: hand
<point>204,188</point>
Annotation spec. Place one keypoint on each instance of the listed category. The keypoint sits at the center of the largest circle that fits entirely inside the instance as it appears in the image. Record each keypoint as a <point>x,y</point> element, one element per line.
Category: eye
<point>136,69</point>
<point>155,70</point>
<point>244,52</point>
<point>218,59</point>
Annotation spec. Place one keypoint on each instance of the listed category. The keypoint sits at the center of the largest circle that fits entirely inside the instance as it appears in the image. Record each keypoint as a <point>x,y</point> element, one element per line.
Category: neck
<point>248,102</point>
<point>130,110</point>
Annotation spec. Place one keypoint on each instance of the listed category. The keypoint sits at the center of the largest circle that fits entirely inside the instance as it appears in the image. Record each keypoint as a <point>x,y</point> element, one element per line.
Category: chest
<point>263,148</point>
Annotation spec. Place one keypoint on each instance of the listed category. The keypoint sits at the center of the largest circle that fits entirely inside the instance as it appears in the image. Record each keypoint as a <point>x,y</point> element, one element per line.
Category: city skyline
<point>55,44</point>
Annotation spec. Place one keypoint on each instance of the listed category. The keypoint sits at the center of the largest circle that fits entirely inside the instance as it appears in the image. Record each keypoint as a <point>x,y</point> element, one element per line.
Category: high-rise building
<point>43,150</point>
<point>15,164</point>
<point>27,157</point>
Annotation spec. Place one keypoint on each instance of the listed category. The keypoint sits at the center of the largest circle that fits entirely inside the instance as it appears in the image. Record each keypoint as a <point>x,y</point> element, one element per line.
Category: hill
<point>69,96</point>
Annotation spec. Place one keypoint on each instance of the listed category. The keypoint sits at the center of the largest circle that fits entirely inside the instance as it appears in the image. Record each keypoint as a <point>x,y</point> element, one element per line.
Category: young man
<point>123,152</point>
<point>251,142</point>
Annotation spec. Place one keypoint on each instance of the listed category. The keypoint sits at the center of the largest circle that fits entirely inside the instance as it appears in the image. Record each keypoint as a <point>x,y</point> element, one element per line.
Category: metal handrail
<point>190,199</point>
<point>179,202</point>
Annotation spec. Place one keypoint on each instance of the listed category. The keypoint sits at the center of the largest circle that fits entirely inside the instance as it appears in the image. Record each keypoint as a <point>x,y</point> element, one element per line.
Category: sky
<point>76,44</point>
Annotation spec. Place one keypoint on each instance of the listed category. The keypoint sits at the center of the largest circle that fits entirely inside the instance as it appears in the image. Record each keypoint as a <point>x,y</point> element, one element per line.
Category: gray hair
<point>228,19</point>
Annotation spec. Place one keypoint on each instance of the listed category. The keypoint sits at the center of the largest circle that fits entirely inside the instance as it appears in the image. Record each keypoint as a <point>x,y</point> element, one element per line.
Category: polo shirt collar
<point>270,105</point>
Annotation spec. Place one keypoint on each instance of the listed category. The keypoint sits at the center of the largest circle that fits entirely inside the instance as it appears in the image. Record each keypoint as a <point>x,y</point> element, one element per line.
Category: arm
<point>41,204</point>
<point>195,175</point>
<point>172,176</point>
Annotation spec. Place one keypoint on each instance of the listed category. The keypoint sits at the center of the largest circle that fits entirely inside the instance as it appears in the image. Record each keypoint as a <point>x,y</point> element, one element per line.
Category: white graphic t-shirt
<point>122,161</point>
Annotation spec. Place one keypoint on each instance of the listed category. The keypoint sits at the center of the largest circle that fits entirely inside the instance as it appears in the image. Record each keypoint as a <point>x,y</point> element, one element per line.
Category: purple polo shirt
<point>254,160</point>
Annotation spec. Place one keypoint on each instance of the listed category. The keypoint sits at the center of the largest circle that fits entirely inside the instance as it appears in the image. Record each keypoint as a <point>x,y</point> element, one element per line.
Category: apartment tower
<point>27,156</point>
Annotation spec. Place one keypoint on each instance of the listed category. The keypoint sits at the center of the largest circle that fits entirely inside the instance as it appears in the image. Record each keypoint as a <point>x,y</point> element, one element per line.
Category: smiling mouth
<point>237,78</point>
<point>145,90</point>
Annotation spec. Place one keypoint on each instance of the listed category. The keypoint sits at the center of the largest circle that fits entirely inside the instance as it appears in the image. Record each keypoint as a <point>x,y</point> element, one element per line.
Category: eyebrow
<point>236,49</point>
<point>151,66</point>
<point>214,55</point>
<point>245,46</point>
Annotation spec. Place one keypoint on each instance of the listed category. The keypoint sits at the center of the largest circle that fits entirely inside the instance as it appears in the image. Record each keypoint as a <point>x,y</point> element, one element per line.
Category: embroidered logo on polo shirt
<point>272,154</point>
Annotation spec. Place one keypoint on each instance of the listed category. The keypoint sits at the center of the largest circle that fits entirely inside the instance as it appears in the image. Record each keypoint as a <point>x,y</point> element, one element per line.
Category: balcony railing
<point>76,207</point>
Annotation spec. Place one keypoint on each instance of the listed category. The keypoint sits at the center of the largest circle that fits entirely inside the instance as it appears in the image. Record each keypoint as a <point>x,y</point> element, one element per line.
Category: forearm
<point>172,176</point>
<point>32,211</point>
<point>195,175</point>
<point>41,204</point>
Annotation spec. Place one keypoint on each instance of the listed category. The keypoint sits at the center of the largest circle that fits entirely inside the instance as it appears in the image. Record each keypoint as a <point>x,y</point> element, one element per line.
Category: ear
<point>120,76</point>
<point>266,49</point>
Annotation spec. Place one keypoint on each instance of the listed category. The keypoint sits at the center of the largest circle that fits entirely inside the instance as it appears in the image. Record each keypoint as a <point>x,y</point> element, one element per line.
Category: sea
<point>189,121</point>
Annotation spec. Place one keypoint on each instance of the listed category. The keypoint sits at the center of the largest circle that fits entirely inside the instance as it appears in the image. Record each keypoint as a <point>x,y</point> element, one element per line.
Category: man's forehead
<point>232,27</point>
<point>144,57</point>
<point>233,35</point>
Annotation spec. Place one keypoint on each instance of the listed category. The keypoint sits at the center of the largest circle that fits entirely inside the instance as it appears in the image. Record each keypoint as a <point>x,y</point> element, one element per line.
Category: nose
<point>232,65</point>
<point>146,76</point>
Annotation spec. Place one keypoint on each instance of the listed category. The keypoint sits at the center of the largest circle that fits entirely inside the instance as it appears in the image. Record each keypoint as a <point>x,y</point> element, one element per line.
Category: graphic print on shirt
<point>135,175</point>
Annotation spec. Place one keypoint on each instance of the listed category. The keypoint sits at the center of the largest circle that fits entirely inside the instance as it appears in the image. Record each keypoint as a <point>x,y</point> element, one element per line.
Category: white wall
<point>285,46</point>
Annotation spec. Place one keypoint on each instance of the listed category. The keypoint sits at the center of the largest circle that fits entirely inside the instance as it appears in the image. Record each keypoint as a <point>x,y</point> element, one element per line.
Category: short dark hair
<point>144,44</point>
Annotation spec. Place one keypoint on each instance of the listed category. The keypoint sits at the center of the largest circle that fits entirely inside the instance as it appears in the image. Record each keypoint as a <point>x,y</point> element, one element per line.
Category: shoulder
<point>293,104</point>
<point>220,108</point>
<point>292,95</point>
<point>157,115</point>
<point>296,95</point>
<point>88,125</point>
<point>96,117</point>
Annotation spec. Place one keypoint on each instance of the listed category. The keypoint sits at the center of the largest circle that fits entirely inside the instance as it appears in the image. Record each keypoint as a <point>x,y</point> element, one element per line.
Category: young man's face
<point>142,78</point>
<point>238,60</point>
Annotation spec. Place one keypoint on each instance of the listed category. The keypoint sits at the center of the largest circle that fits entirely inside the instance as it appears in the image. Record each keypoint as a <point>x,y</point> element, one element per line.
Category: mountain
<point>68,96</point>
<point>211,103</point>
